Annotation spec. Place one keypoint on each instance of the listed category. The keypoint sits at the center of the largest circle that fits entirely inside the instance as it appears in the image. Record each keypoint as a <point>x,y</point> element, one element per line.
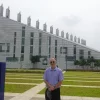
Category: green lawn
<point>17,88</point>
<point>23,81</point>
<point>74,91</point>
<point>32,77</point>
<point>80,73</point>
<point>84,79</point>
<point>81,83</point>
<point>80,91</point>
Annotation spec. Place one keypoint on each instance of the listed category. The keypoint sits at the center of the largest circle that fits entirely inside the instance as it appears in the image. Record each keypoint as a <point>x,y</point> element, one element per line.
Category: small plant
<point>35,59</point>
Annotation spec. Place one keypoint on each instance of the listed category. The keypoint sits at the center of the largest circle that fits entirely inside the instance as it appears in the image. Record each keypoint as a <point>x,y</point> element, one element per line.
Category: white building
<point>23,40</point>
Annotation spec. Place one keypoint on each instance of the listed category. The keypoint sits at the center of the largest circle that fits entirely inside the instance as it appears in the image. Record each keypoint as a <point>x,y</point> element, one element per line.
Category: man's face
<point>52,62</point>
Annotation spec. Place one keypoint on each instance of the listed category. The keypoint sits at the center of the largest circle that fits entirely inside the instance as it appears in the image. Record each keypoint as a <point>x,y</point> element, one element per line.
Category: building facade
<point>19,41</point>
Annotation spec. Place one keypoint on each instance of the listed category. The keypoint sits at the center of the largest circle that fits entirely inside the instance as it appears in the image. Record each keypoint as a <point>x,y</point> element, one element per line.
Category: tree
<point>82,63</point>
<point>35,59</point>
<point>76,62</point>
<point>92,60</point>
<point>97,63</point>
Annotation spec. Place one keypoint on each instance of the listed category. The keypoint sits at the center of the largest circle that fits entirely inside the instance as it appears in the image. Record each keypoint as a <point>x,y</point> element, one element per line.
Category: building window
<point>14,41</point>
<point>49,56</point>
<point>89,57</point>
<point>81,57</point>
<point>40,39</point>
<point>39,50</point>
<point>89,52</point>
<point>22,57</point>
<point>49,50</point>
<point>22,49</point>
<point>0,48</point>
<point>8,47</point>
<point>49,45</point>
<point>55,42</point>
<point>40,42</point>
<point>13,55</point>
<point>55,50</point>
<point>23,31</point>
<point>81,52</point>
<point>56,57</point>
<point>74,49</point>
<point>32,34</point>
<point>60,50</point>
<point>14,34</point>
<point>64,50</point>
<point>49,40</point>
<point>40,35</point>
<point>23,41</point>
<point>23,28</point>
<point>31,49</point>
<point>31,41</point>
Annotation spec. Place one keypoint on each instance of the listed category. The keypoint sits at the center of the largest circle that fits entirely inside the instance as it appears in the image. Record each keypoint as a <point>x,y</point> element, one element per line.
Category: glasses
<point>52,62</point>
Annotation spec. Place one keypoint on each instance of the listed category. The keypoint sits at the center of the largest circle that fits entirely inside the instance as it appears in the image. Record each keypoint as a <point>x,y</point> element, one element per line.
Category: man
<point>53,78</point>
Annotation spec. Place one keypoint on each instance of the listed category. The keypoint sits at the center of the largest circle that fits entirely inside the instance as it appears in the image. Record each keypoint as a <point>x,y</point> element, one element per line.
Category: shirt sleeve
<point>45,75</point>
<point>61,76</point>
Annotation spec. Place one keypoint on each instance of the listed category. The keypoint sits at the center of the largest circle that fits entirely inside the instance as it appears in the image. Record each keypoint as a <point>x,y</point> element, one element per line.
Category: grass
<point>84,79</point>
<point>24,71</point>
<point>23,81</point>
<point>84,74</point>
<point>81,83</point>
<point>68,91</point>
<point>17,88</point>
<point>32,77</point>
<point>80,91</point>
<point>73,91</point>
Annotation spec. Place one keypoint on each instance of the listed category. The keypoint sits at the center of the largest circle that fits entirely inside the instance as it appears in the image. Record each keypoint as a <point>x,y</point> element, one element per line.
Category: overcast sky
<point>78,17</point>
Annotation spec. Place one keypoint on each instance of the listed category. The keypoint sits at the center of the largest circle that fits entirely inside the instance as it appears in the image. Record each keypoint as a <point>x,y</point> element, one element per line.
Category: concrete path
<point>81,86</point>
<point>30,93</point>
<point>22,83</point>
<point>41,97</point>
<point>8,96</point>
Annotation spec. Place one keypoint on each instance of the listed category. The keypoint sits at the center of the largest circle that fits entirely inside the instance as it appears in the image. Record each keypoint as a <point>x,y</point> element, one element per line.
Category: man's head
<point>53,62</point>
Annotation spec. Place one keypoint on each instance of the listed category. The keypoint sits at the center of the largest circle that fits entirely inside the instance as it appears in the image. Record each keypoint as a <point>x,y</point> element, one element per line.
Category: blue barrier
<point>2,79</point>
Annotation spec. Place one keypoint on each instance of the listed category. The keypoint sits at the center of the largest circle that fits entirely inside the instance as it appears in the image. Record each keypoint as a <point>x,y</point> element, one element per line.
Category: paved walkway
<point>30,93</point>
<point>41,97</point>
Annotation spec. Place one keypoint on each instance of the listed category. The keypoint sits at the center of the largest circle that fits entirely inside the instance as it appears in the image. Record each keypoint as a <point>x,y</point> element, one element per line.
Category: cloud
<point>71,20</point>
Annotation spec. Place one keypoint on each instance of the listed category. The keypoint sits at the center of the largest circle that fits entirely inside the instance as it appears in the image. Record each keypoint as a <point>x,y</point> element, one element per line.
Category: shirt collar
<point>53,69</point>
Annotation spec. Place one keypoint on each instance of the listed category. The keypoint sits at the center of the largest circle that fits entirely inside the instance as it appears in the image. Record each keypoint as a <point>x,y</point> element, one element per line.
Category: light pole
<point>66,61</point>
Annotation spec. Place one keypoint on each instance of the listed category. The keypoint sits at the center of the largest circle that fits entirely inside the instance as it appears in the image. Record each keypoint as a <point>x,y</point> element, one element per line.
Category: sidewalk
<point>41,97</point>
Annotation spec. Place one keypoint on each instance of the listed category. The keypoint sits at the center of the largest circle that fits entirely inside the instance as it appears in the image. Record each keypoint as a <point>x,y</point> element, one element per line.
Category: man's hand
<point>51,88</point>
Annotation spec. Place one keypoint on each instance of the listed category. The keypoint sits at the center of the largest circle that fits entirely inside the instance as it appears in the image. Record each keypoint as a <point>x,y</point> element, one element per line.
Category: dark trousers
<point>55,95</point>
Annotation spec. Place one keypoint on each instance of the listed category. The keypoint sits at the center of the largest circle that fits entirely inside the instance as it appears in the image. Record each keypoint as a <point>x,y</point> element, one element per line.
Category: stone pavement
<point>41,97</point>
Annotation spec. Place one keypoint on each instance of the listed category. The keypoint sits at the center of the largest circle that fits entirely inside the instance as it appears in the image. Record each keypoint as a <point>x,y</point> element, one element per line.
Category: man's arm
<point>50,87</point>
<point>60,80</point>
<point>47,83</point>
<point>58,85</point>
